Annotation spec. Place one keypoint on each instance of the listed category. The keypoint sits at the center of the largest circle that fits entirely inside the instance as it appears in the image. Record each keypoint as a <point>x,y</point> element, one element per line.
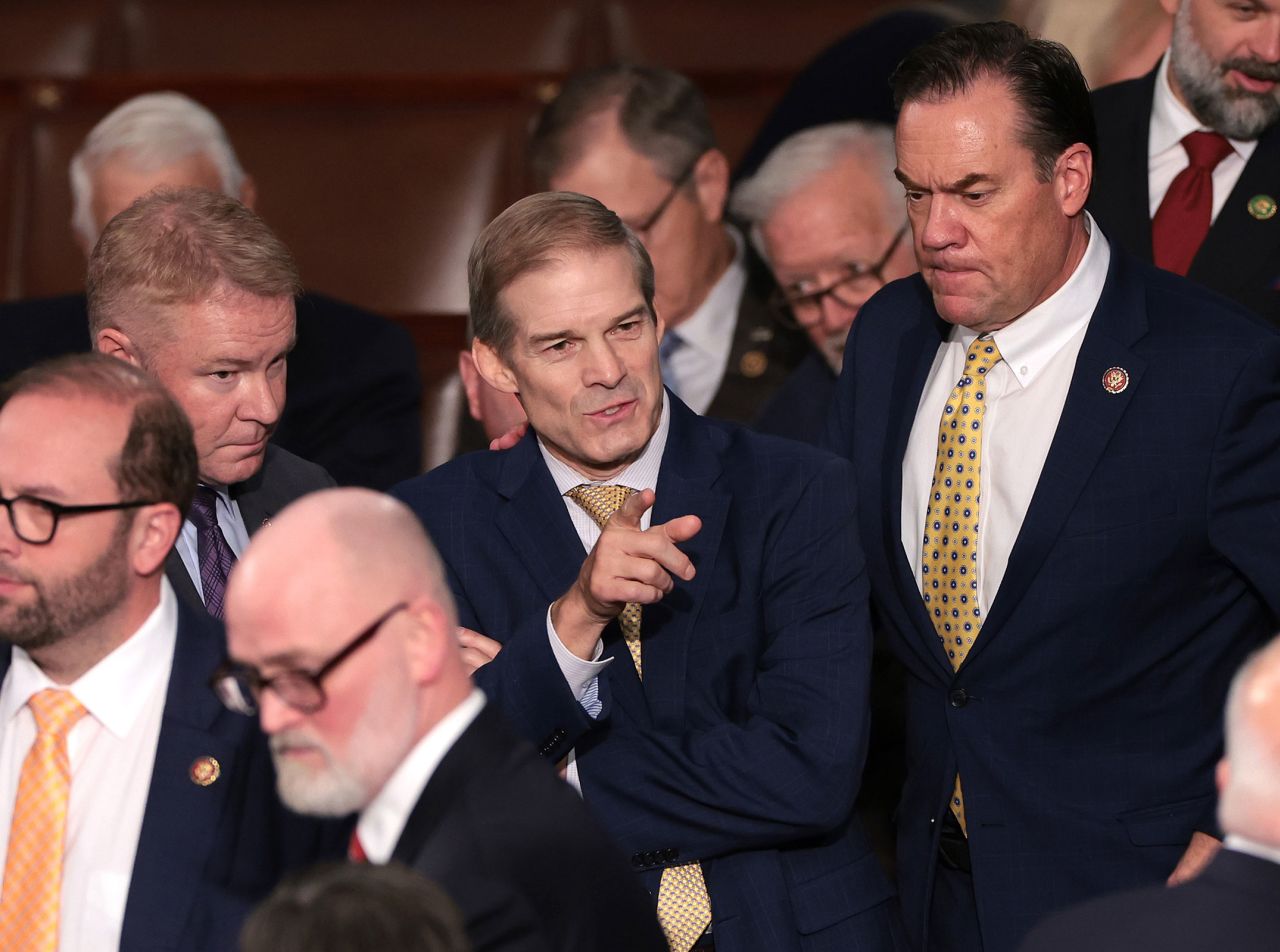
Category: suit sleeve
<point>788,765</point>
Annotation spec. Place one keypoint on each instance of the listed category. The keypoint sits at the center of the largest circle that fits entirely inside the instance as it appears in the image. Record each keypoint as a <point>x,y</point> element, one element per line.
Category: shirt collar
<point>640,475</point>
<point>1242,844</point>
<point>116,689</point>
<point>710,327</point>
<point>1171,121</point>
<point>383,820</point>
<point>1031,342</point>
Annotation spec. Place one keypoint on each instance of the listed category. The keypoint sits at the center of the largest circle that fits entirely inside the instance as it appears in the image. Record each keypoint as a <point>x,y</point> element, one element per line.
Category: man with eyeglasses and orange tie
<point>135,812</point>
<point>638,140</point>
<point>349,658</point>
<point>826,213</point>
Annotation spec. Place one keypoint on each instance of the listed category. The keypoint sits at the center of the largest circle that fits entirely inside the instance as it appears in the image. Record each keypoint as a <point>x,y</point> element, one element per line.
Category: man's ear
<point>1073,178</point>
<point>114,342</point>
<point>430,640</point>
<point>711,183</point>
<point>155,529</point>
<point>249,193</point>
<point>470,378</point>
<point>493,368</point>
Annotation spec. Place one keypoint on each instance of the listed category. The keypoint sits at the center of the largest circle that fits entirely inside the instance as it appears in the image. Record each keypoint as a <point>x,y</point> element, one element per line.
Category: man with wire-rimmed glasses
<point>350,659</point>
<point>132,806</point>
<point>827,215</point>
<point>638,139</point>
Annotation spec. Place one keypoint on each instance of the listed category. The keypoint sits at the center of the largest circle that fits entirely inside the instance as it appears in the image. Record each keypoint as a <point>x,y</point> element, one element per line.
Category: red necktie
<point>355,849</point>
<point>1182,220</point>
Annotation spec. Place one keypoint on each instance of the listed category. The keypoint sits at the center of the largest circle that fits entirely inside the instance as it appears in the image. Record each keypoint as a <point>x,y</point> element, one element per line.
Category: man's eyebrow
<point>965,184</point>
<point>636,311</point>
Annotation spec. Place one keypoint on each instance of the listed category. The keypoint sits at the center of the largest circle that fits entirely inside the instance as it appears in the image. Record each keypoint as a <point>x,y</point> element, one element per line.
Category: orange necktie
<point>32,885</point>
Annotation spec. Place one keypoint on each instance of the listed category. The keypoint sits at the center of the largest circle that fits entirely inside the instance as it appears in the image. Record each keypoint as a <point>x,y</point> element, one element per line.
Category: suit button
<point>959,697</point>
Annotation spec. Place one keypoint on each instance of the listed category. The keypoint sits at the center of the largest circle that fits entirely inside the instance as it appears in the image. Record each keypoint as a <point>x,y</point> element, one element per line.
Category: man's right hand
<point>627,564</point>
<point>510,438</point>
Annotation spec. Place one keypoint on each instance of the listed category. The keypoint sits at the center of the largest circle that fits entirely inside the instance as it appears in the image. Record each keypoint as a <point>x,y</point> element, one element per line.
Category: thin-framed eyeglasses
<point>239,686</point>
<point>646,226</point>
<point>35,520</point>
<point>801,309</point>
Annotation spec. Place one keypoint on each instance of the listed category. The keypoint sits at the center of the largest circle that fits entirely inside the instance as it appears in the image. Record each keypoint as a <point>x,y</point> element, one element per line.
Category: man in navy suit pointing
<point>675,608</point>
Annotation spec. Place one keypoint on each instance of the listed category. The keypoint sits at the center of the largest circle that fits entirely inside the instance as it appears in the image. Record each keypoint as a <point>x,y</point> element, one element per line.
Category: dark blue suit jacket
<point>742,747</point>
<point>207,854</point>
<point>1086,720</point>
<point>1233,905</point>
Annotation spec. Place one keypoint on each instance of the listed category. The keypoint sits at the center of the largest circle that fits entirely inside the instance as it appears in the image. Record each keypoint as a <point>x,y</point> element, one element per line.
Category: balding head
<point>312,584</point>
<point>1249,776</point>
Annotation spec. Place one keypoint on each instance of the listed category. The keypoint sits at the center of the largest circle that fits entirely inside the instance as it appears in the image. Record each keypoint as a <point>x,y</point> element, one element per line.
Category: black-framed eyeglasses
<point>646,226</point>
<point>239,686</point>
<point>35,520</point>
<point>801,309</point>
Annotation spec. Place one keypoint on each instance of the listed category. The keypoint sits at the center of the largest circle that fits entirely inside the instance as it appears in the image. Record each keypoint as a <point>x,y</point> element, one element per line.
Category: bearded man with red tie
<point>1188,164</point>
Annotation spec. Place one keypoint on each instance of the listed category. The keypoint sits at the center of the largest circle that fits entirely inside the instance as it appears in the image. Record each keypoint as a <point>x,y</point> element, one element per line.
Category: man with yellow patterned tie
<point>134,812</point>
<point>1067,464</point>
<point>674,608</point>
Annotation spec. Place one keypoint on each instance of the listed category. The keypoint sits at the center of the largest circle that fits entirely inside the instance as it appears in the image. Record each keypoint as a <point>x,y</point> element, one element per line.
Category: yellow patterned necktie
<point>684,908</point>
<point>29,908</point>
<point>949,565</point>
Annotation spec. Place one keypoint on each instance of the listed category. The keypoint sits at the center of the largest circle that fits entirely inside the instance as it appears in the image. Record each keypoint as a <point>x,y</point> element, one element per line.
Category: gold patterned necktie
<point>949,563</point>
<point>684,908</point>
<point>32,888</point>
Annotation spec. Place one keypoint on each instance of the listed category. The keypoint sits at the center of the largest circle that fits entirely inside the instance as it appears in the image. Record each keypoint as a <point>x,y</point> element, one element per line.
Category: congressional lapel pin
<point>1262,207</point>
<point>1115,380</point>
<point>753,363</point>
<point>205,770</point>
<point>266,522</point>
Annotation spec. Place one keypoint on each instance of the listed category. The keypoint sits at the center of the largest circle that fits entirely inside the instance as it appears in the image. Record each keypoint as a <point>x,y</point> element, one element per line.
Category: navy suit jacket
<point>801,405</point>
<point>1240,257</point>
<point>1233,905</point>
<point>1086,720</point>
<point>207,854</point>
<point>742,747</point>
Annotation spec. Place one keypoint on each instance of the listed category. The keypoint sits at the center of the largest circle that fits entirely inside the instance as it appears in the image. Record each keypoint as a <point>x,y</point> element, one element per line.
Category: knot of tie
<point>1206,149</point>
<point>56,711</point>
<point>204,508</point>
<point>600,502</point>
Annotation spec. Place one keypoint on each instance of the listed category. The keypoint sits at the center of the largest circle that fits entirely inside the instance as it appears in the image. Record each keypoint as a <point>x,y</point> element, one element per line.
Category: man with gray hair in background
<point>354,389</point>
<point>194,287</point>
<point>1235,902</point>
<point>638,140</point>
<point>827,215</point>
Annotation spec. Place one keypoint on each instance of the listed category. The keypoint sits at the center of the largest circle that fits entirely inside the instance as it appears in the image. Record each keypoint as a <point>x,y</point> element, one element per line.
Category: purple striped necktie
<point>212,551</point>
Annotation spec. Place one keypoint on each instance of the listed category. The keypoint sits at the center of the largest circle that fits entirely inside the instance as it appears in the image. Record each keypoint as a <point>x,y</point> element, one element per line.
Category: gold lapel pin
<point>753,363</point>
<point>1115,380</point>
<point>205,770</point>
<point>1262,207</point>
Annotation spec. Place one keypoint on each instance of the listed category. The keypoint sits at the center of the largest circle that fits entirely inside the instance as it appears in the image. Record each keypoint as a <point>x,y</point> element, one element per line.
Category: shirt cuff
<point>581,676</point>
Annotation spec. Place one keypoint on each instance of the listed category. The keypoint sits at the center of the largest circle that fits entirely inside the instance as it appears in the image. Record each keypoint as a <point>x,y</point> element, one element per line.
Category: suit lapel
<point>1122,164</point>
<point>181,820</point>
<point>260,496</point>
<point>176,571</point>
<point>686,486</point>
<point>1239,244</point>
<point>915,358</point>
<point>1089,418</point>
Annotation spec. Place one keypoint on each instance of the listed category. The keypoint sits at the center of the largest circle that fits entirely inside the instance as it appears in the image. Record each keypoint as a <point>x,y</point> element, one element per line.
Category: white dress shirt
<point>233,530</point>
<point>1171,121</point>
<point>698,365</point>
<point>383,820</point>
<point>1025,394</point>
<point>112,751</point>
<point>583,676</point>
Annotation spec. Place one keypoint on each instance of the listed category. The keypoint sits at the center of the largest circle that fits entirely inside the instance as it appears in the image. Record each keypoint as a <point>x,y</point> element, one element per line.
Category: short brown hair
<point>176,246</point>
<point>530,235</point>
<point>158,459</point>
<point>661,113</point>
